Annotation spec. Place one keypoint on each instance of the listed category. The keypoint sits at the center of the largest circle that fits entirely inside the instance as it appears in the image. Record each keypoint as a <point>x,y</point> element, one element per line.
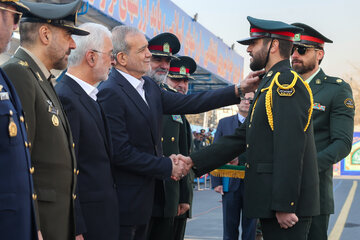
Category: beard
<point>302,68</point>
<point>157,75</point>
<point>259,59</point>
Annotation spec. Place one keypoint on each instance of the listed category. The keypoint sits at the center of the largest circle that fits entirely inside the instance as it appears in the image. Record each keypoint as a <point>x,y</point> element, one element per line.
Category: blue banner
<point>156,16</point>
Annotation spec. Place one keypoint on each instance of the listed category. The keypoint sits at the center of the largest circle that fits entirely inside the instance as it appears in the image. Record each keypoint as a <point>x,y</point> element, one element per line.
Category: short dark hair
<point>28,32</point>
<point>285,46</point>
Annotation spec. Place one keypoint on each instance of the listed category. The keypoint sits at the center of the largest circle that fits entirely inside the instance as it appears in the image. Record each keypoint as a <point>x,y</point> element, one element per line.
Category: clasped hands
<point>181,166</point>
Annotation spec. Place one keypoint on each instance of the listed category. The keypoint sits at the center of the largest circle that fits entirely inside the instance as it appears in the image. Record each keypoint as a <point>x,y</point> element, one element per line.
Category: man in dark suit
<point>134,106</point>
<point>232,189</point>
<point>45,39</point>
<point>281,179</point>
<point>96,206</point>
<point>333,115</point>
<point>17,216</point>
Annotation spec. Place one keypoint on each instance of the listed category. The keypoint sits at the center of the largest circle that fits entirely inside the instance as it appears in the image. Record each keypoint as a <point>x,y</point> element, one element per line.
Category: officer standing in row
<point>333,115</point>
<point>17,216</point>
<point>167,202</point>
<point>45,44</point>
<point>178,78</point>
<point>281,178</point>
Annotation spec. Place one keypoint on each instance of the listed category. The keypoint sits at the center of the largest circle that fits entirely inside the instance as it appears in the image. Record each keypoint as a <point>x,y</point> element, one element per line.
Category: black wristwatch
<point>241,94</point>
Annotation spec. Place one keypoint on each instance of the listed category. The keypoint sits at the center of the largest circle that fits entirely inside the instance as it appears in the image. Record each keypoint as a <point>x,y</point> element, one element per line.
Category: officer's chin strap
<point>268,53</point>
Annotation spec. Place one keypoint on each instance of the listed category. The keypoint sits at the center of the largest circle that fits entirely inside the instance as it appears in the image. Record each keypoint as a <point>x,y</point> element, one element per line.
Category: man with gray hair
<point>96,206</point>
<point>134,105</point>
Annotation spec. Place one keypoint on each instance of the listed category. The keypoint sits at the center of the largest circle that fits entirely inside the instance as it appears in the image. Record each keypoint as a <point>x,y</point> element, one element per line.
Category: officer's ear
<point>275,45</point>
<point>45,34</point>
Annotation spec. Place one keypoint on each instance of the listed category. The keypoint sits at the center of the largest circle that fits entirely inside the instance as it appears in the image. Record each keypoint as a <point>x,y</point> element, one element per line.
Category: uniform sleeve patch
<point>177,118</point>
<point>349,103</point>
<point>285,92</point>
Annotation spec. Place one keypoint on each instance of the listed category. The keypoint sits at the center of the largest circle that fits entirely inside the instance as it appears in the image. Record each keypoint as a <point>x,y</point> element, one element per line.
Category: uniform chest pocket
<point>10,133</point>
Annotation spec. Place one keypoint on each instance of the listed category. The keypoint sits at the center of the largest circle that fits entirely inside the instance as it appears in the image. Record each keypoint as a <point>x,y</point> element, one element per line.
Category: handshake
<point>181,166</point>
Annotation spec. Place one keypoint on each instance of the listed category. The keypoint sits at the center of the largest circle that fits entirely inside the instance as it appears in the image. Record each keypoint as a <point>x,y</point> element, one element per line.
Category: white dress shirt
<point>138,84</point>
<point>89,89</point>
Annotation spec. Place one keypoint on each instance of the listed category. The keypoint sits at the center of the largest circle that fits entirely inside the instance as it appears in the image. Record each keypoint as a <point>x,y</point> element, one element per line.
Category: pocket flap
<point>8,201</point>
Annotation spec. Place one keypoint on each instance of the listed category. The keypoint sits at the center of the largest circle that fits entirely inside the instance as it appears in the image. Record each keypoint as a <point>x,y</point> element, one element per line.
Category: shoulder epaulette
<point>334,80</point>
<point>285,90</point>
<point>23,63</point>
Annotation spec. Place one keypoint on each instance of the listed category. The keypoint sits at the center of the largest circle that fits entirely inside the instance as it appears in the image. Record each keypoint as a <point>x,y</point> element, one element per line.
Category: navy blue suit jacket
<point>225,127</point>
<point>136,130</point>
<point>96,205</point>
<point>17,217</point>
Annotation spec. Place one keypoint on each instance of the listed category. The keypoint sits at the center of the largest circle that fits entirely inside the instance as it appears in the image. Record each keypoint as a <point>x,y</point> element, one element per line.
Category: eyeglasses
<point>302,49</point>
<point>110,54</point>
<point>17,15</point>
<point>250,100</point>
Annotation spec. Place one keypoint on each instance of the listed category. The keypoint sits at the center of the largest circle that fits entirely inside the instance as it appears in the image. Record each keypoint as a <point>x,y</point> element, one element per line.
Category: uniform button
<point>249,125</point>
<point>172,139</point>
<point>29,144</point>
<point>32,170</point>
<point>292,203</point>
<point>74,196</point>
<point>74,170</point>
<point>162,139</point>
<point>21,119</point>
<point>26,144</point>
<point>73,145</point>
<point>247,145</point>
<point>77,172</point>
<point>34,196</point>
<point>247,165</point>
<point>11,112</point>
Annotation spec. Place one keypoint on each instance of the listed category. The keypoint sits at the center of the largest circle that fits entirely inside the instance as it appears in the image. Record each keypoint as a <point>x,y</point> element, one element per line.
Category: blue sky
<point>338,20</point>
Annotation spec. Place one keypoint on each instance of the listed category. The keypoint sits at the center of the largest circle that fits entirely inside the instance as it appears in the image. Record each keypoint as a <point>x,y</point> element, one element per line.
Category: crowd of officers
<point>96,159</point>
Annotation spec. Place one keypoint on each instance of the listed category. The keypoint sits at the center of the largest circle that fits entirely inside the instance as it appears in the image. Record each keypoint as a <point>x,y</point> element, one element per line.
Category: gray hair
<point>119,34</point>
<point>95,41</point>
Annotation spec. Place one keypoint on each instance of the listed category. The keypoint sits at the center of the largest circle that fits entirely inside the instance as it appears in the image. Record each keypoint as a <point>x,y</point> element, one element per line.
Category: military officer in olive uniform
<point>333,115</point>
<point>17,216</point>
<point>45,39</point>
<point>281,180</point>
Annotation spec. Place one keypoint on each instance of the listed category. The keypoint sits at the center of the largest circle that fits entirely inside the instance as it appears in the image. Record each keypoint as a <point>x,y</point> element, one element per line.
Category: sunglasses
<point>17,15</point>
<point>302,49</point>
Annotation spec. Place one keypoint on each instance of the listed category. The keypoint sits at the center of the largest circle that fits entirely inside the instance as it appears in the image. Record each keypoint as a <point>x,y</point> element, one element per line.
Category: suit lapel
<point>133,95</point>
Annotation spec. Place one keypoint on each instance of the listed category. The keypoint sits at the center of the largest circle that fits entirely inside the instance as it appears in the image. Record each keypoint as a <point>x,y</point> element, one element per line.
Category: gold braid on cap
<point>269,97</point>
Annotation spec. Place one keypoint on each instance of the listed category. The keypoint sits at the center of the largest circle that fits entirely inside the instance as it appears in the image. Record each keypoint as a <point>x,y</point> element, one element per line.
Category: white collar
<point>88,88</point>
<point>136,83</point>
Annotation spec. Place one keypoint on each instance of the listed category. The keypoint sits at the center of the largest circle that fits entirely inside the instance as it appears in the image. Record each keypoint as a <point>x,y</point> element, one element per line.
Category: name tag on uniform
<point>177,118</point>
<point>318,106</point>
<point>4,96</point>
<point>52,109</point>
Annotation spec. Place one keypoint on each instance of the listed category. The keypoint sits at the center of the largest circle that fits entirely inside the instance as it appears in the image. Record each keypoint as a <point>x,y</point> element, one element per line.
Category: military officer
<point>176,138</point>
<point>163,48</point>
<point>17,216</point>
<point>333,115</point>
<point>45,39</point>
<point>281,180</point>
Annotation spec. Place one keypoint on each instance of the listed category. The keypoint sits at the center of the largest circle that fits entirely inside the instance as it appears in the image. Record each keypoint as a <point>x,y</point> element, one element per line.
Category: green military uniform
<point>333,117</point>
<point>281,168</point>
<point>49,135</point>
<point>176,139</point>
